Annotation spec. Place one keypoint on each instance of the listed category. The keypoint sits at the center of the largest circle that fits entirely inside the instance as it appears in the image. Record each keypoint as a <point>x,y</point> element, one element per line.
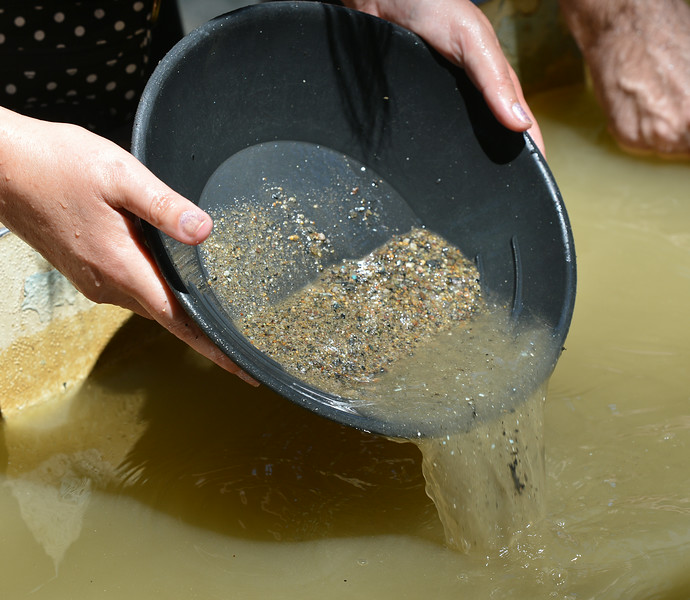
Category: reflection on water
<point>163,477</point>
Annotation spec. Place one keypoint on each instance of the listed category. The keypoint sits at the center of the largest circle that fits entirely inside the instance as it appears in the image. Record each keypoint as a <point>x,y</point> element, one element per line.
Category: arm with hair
<point>638,54</point>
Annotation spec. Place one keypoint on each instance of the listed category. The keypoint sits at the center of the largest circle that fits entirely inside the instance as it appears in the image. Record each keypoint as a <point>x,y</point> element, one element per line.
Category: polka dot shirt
<point>84,62</point>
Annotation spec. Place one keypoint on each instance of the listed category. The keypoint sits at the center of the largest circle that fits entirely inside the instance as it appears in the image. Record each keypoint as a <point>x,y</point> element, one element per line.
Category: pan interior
<point>307,191</point>
<point>279,196</point>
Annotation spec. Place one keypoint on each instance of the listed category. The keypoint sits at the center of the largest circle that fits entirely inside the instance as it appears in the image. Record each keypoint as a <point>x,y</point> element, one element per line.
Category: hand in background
<point>638,54</point>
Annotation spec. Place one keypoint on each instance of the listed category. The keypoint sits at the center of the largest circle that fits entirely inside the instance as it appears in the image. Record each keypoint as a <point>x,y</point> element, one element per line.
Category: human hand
<point>638,54</point>
<point>74,197</point>
<point>459,31</point>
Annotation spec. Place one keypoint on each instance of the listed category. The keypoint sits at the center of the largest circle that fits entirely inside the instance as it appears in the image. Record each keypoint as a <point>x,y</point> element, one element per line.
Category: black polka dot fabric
<point>84,62</point>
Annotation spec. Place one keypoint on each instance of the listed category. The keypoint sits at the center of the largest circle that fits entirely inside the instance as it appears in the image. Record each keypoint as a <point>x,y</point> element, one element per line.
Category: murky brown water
<point>166,478</point>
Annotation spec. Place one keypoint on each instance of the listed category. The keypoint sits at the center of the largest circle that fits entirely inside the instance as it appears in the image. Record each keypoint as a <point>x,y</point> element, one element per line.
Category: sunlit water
<point>166,478</point>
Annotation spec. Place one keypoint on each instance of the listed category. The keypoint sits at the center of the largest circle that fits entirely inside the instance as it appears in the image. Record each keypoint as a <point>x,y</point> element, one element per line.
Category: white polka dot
<point>130,68</point>
<point>119,25</point>
<point>39,35</point>
<point>110,86</point>
<point>51,85</point>
<point>99,13</point>
<point>59,46</point>
<point>92,78</point>
<point>111,62</point>
<point>19,21</point>
<point>129,94</point>
<point>59,17</point>
<point>138,6</point>
<point>10,88</point>
<point>29,74</point>
<point>79,31</point>
<point>101,42</point>
<point>2,38</point>
<point>71,71</point>
<point>71,93</point>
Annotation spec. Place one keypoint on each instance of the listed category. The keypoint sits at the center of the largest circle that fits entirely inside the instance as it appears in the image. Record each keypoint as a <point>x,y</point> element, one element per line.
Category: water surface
<point>164,477</point>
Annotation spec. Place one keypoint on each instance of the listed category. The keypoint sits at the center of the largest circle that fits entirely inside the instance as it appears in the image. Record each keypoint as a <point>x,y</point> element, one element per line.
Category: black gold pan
<point>317,101</point>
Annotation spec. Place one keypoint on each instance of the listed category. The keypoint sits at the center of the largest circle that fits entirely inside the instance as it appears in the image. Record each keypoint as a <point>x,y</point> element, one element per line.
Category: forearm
<point>15,173</point>
<point>592,21</point>
<point>638,54</point>
<point>597,14</point>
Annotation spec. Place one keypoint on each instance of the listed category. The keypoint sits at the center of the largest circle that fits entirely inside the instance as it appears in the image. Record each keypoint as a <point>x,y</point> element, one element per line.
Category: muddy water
<point>165,478</point>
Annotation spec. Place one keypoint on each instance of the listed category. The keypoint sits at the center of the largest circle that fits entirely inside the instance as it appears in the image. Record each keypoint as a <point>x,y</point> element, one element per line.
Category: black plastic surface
<point>375,93</point>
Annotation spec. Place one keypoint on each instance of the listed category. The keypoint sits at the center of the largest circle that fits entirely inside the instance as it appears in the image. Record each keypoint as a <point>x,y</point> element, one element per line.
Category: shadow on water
<point>242,461</point>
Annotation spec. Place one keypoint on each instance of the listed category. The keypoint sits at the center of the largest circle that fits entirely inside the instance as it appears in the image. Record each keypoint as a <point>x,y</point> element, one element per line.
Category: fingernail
<point>191,222</point>
<point>520,113</point>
